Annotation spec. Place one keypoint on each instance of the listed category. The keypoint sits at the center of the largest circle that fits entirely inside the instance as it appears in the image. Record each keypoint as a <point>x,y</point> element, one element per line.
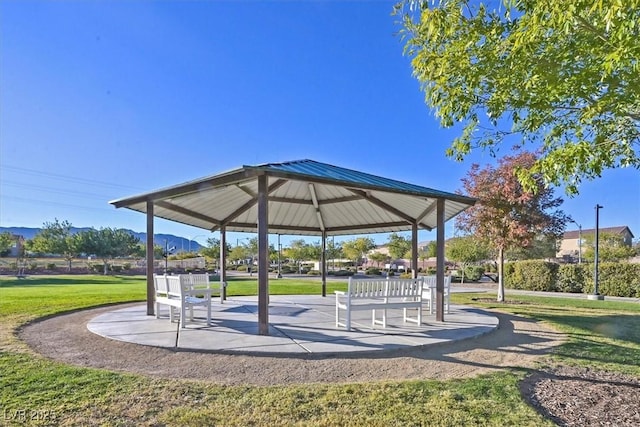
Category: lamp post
<point>596,295</point>
<point>279,276</point>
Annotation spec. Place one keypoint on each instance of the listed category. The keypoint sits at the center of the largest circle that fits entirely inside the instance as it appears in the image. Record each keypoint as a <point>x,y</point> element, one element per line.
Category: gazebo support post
<point>150,284</point>
<point>263,256</point>
<point>414,250</point>
<point>223,262</point>
<point>323,263</point>
<point>440,261</point>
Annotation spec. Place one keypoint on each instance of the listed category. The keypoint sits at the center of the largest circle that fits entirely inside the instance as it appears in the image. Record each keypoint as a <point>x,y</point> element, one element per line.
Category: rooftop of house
<point>575,234</point>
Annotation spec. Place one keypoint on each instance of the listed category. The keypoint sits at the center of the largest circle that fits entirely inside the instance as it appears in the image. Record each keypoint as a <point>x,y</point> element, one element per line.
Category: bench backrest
<point>384,288</point>
<point>404,288</point>
<point>430,282</point>
<point>160,284</point>
<point>174,286</point>
<point>366,288</point>
<point>195,281</point>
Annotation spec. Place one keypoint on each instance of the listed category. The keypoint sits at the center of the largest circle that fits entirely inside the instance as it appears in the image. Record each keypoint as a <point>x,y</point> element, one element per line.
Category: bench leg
<point>209,312</point>
<point>183,315</point>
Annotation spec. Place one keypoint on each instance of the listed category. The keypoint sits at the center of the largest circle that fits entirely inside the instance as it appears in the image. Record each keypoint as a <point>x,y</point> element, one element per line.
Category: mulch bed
<point>573,396</point>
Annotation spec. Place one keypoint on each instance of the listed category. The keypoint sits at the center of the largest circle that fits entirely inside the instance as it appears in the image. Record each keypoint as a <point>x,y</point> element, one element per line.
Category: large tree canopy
<point>560,74</point>
<point>507,215</point>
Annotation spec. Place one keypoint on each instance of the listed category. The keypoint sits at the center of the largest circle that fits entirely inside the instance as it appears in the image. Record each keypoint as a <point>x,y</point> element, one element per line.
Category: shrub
<point>406,276</point>
<point>615,279</point>
<point>116,268</point>
<point>533,275</point>
<point>473,273</point>
<point>51,266</point>
<point>126,266</point>
<point>373,271</point>
<point>96,268</point>
<point>507,272</point>
<point>33,265</point>
<point>343,273</point>
<point>571,278</point>
<point>242,267</point>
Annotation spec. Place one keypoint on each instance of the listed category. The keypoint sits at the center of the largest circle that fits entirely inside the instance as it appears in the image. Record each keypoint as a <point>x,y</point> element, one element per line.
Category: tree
<point>399,246</point>
<point>465,250</point>
<point>378,257</point>
<point>296,252</point>
<point>611,248</point>
<point>507,215</point>
<point>56,238</point>
<point>541,247</point>
<point>6,240</point>
<point>357,248</point>
<point>562,75</point>
<point>107,243</point>
<point>212,250</point>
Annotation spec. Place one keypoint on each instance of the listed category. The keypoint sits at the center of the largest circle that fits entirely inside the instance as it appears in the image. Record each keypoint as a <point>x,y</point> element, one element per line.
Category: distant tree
<point>357,248</point>
<point>107,243</point>
<point>561,75</point>
<point>507,215</point>
<point>378,258</point>
<point>540,247</point>
<point>334,250</point>
<point>239,253</point>
<point>611,248</point>
<point>212,250</point>
<point>6,240</point>
<point>466,250</point>
<point>56,238</point>
<point>399,246</point>
<point>297,252</point>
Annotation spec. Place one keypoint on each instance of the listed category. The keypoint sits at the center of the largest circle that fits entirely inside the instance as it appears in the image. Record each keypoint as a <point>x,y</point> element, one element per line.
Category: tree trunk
<point>501,275</point>
<point>106,268</point>
<point>69,259</point>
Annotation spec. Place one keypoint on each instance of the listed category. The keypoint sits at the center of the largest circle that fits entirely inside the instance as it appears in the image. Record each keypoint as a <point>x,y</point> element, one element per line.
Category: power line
<point>67,178</point>
<point>50,203</point>
<point>53,190</point>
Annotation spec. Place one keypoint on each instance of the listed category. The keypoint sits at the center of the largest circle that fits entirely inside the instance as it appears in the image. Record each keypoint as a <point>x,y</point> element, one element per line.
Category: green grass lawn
<point>601,335</point>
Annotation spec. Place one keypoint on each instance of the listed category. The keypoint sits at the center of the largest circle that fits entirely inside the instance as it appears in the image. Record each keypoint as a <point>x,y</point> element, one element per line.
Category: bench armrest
<point>340,292</point>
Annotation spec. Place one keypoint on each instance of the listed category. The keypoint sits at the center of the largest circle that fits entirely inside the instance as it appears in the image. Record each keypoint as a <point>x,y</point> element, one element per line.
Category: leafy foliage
<point>561,75</point>
<point>611,247</point>
<point>357,248</point>
<point>56,238</point>
<point>507,215</point>
<point>399,246</point>
<point>6,240</point>
<point>107,243</point>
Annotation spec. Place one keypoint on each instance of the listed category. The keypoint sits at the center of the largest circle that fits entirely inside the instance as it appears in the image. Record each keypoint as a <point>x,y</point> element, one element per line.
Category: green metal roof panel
<point>317,170</point>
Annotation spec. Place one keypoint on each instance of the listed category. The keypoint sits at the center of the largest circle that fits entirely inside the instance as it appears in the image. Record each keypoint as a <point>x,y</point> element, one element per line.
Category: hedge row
<point>614,279</point>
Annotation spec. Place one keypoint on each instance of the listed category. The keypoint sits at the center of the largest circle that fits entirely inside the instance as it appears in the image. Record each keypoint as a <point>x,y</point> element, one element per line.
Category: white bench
<point>379,294</point>
<point>429,292</point>
<point>182,292</point>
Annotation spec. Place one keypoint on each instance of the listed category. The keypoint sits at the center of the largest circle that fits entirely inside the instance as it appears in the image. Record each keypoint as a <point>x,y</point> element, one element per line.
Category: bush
<point>96,268</point>
<point>33,265</point>
<point>116,268</point>
<point>615,279</point>
<point>51,266</point>
<point>533,275</point>
<point>343,273</point>
<point>571,278</point>
<point>242,267</point>
<point>406,276</point>
<point>126,266</point>
<point>473,273</point>
<point>373,271</point>
<point>313,272</point>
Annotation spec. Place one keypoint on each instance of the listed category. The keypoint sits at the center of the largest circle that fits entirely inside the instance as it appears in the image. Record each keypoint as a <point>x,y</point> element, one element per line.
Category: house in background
<point>17,246</point>
<point>571,240</point>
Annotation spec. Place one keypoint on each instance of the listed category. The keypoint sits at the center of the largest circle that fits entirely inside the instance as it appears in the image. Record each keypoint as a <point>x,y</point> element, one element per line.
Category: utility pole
<point>596,295</point>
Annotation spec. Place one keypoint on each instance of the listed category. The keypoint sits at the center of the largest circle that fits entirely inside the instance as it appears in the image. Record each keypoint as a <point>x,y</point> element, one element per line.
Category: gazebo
<point>301,197</point>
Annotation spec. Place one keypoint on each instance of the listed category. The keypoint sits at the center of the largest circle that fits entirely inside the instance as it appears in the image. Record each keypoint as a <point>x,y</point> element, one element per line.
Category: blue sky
<point>101,100</point>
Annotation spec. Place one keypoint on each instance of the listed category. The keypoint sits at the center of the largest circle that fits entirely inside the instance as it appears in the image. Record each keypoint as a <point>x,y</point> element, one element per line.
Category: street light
<point>579,240</point>
<point>279,276</point>
<point>596,295</point>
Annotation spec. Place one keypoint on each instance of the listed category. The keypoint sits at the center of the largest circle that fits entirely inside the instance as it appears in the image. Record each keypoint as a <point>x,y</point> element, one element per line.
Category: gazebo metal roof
<point>305,197</point>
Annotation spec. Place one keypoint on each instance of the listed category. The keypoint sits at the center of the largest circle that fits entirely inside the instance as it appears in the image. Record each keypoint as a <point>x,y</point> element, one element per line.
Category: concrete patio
<point>298,324</point>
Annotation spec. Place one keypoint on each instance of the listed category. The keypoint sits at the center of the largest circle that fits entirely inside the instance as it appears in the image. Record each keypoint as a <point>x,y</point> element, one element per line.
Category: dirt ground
<point>568,396</point>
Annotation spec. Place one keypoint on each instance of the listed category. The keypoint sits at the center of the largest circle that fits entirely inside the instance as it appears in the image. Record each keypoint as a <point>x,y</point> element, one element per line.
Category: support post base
<point>595,297</point>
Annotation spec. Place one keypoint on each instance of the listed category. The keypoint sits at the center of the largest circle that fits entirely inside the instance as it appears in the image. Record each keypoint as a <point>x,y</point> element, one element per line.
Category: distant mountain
<point>179,244</point>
